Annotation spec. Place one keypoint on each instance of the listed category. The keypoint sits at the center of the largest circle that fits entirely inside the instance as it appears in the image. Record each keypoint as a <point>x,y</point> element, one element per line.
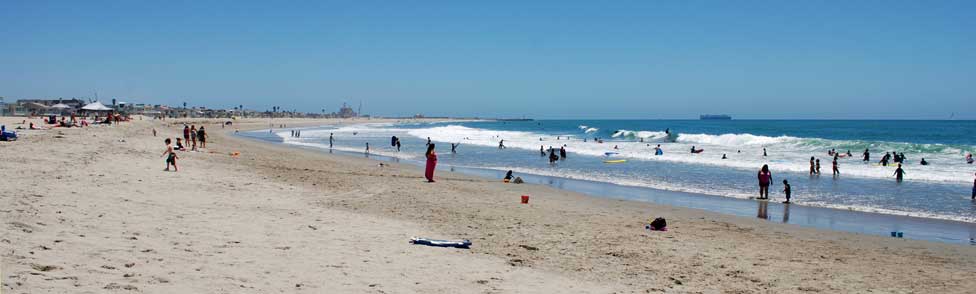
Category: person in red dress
<point>431,163</point>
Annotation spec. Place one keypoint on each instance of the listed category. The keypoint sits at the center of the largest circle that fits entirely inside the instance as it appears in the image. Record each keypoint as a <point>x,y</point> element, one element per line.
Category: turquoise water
<point>940,190</point>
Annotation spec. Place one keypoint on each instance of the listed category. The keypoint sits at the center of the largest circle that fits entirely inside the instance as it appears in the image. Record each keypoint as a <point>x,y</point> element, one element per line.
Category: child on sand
<point>179,145</point>
<point>787,190</point>
<point>170,156</point>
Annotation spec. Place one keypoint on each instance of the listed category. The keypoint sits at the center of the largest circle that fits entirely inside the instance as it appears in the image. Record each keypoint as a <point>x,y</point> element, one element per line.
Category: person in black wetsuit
<point>398,144</point>
<point>562,152</point>
<point>542,150</point>
<point>923,162</point>
<point>867,155</point>
<point>508,176</point>
<point>899,173</point>
<point>454,147</point>
<point>552,156</point>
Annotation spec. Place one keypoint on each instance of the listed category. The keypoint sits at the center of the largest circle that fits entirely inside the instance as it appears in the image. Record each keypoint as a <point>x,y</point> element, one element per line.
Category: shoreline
<point>278,218</point>
<point>873,223</point>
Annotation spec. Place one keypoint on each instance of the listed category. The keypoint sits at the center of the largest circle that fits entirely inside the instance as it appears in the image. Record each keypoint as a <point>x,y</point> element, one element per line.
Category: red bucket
<point>525,199</point>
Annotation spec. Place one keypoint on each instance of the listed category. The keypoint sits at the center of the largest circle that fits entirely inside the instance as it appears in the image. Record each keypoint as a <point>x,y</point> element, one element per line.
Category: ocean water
<point>940,190</point>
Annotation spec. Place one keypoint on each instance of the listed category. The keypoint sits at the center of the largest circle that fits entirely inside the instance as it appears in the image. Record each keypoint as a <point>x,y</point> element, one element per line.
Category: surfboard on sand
<point>615,161</point>
<point>441,243</point>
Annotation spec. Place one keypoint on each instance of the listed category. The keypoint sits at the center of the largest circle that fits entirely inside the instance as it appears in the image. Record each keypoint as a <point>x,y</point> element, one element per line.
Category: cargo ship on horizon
<point>715,117</point>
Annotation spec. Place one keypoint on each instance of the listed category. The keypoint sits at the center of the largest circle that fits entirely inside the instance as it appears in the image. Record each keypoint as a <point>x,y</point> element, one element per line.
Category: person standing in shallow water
<point>431,163</point>
<point>812,167</point>
<point>765,179</point>
<point>899,173</point>
<point>974,189</point>
<point>330,140</point>
<point>836,170</point>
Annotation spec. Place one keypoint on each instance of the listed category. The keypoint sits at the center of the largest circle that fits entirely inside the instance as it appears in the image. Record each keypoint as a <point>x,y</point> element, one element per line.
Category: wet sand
<point>86,212</point>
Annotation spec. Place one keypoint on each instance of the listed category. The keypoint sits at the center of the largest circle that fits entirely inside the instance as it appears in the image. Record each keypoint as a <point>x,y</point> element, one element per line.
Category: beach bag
<point>658,224</point>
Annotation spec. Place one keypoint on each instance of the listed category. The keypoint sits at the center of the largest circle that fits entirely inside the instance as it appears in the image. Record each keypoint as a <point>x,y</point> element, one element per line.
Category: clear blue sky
<point>559,59</point>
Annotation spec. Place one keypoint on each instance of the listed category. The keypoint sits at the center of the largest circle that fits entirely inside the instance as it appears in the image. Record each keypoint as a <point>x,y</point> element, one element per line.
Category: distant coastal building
<point>715,117</point>
<point>346,112</point>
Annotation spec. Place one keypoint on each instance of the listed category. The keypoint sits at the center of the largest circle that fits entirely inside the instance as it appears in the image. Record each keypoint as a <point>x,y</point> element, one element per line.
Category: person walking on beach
<point>787,190</point>
<point>899,173</point>
<point>431,163</point>
<point>836,171</point>
<point>186,134</point>
<point>367,147</point>
<point>170,156</point>
<point>765,179</point>
<point>202,137</point>
<point>154,132</point>
<point>193,138</point>
<point>330,140</point>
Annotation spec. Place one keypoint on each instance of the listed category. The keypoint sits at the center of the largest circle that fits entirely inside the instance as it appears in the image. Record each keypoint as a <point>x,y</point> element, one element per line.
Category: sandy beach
<point>91,210</point>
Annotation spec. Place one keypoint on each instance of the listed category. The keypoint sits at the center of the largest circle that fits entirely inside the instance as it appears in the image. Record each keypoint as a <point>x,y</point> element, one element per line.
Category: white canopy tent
<point>96,106</point>
<point>60,106</point>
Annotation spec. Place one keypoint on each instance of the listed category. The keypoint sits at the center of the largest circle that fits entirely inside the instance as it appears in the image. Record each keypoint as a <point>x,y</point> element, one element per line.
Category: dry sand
<point>85,212</point>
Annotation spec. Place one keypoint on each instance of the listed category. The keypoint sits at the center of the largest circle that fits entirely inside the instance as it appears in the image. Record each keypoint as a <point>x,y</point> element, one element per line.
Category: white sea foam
<point>744,151</point>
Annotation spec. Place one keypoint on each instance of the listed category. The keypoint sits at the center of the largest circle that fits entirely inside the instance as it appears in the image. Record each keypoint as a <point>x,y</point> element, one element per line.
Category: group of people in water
<point>553,158</point>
